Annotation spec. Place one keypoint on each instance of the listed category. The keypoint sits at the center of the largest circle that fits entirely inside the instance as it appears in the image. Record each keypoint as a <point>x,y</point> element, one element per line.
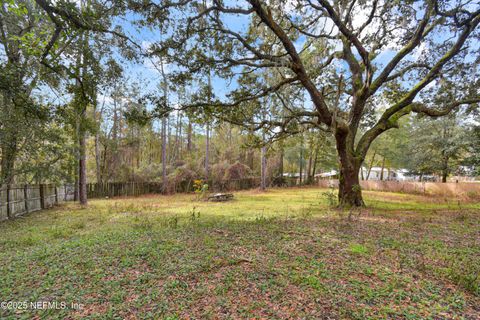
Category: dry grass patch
<point>281,254</point>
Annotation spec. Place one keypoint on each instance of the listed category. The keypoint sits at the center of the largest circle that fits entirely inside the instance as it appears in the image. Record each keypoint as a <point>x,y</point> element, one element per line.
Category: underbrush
<point>280,254</point>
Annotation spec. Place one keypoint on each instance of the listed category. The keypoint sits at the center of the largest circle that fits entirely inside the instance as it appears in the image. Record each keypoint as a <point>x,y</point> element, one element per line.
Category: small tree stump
<point>218,197</point>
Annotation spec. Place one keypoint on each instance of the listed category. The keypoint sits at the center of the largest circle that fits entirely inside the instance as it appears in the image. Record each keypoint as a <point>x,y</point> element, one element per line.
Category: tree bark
<point>383,168</point>
<point>309,168</point>
<point>97,157</point>
<point>280,169</point>
<point>349,191</point>
<point>164,130</point>
<point>9,137</point>
<point>207,143</point>
<point>263,182</point>
<point>115,155</point>
<point>9,151</point>
<point>164,154</point>
<point>170,149</point>
<point>189,136</point>
<point>207,152</point>
<point>75,185</point>
<point>314,169</point>
<point>301,162</point>
<point>301,167</point>
<point>445,170</point>
<point>80,126</point>
<point>263,167</point>
<point>82,173</point>
<point>178,137</point>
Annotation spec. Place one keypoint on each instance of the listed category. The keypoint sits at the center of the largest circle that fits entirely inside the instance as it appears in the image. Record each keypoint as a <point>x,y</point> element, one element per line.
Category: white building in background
<point>291,175</point>
<point>402,175</point>
<point>376,174</point>
<point>393,175</point>
<point>333,174</point>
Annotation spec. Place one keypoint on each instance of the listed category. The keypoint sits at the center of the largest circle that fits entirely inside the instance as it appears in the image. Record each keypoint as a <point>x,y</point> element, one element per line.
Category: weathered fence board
<point>116,189</point>
<point>469,190</point>
<point>16,200</point>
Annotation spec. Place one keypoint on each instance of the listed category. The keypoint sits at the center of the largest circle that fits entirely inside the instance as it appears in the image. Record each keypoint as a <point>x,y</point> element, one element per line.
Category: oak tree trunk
<point>349,191</point>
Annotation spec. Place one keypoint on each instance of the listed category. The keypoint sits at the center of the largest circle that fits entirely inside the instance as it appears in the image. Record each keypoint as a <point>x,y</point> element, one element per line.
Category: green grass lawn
<point>279,254</point>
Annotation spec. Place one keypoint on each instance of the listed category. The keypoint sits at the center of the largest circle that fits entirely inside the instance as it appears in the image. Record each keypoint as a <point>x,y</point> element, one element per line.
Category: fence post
<point>42,196</point>
<point>25,197</point>
<point>9,213</point>
<point>56,194</point>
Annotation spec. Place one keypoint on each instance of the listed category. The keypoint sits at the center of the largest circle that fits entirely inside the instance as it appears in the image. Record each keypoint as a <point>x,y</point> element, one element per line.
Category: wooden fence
<point>116,189</point>
<point>468,190</point>
<point>16,200</point>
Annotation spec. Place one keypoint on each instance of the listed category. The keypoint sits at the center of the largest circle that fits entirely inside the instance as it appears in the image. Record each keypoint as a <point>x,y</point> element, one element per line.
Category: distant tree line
<point>314,90</point>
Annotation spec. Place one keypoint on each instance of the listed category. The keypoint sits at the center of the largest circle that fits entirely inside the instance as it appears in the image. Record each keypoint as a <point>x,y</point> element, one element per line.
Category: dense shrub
<point>237,171</point>
<point>218,171</point>
<point>181,179</point>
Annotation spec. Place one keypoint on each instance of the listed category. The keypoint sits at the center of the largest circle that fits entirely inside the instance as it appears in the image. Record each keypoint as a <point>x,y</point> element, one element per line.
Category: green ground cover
<point>280,254</point>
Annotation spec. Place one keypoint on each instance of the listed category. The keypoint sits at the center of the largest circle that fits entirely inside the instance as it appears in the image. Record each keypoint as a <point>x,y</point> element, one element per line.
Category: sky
<point>146,72</point>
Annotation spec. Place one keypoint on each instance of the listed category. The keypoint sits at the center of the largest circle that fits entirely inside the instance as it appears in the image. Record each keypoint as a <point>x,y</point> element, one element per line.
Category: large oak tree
<point>348,57</point>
